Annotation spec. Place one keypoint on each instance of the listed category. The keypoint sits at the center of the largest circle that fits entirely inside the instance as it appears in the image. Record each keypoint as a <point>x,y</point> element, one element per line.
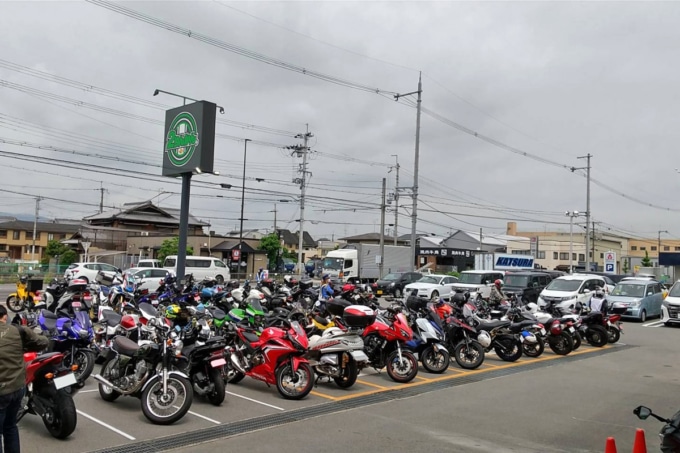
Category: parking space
<point>103,425</point>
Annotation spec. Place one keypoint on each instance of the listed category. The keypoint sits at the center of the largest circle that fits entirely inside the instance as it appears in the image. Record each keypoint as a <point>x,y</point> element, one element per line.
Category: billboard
<point>189,139</point>
<point>505,262</point>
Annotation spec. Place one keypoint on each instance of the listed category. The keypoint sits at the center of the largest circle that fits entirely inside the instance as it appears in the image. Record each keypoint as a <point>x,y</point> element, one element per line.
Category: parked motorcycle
<point>428,336</point>
<point>149,373</point>
<point>22,298</point>
<point>338,355</point>
<point>670,432</point>
<point>49,389</point>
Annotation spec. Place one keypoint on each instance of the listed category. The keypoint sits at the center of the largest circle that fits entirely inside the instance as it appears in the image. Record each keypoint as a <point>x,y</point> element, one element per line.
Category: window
<point>16,235</point>
<point>29,235</point>
<point>676,248</point>
<point>219,263</point>
<point>348,263</point>
<point>50,236</point>
<point>573,256</point>
<point>564,256</point>
<point>554,255</point>
<point>643,248</point>
<point>543,280</point>
<point>155,273</point>
<point>601,255</point>
<point>581,256</point>
<point>3,233</point>
<point>521,252</point>
<point>633,247</point>
<point>653,248</point>
<point>541,255</point>
<point>590,254</point>
<point>666,248</point>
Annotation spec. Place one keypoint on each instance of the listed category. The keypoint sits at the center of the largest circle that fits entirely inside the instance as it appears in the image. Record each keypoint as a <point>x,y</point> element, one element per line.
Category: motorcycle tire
<point>577,341</point>
<point>85,359</point>
<point>402,372</point>
<point>216,397</point>
<point>15,304</point>
<point>107,393</point>
<point>561,344</point>
<point>614,334</point>
<point>176,385</point>
<point>597,336</point>
<point>349,376</point>
<point>285,373</point>
<point>469,356</point>
<point>435,362</point>
<point>61,419</point>
<point>508,348</point>
<point>534,349</point>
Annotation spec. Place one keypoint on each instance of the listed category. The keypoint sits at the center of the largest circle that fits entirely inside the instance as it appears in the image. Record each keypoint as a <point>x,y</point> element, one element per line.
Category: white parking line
<point>653,324</point>
<point>105,425</point>
<point>255,401</point>
<point>87,391</point>
<point>201,416</point>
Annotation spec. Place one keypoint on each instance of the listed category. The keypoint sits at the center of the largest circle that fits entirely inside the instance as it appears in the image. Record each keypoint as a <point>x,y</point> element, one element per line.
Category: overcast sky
<point>554,80</point>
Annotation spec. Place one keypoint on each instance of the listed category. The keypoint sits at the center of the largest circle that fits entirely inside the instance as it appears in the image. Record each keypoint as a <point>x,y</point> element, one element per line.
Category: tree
<point>68,257</point>
<point>271,244</point>
<point>54,248</point>
<point>625,266</point>
<point>171,247</point>
<point>646,262</point>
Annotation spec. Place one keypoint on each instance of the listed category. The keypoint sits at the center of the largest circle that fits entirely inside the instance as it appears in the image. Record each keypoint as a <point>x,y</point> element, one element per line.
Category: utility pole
<point>275,229</point>
<point>302,150</point>
<point>243,198</point>
<point>396,202</point>
<point>35,226</point>
<point>101,199</point>
<point>571,215</point>
<point>593,243</point>
<point>659,246</point>
<point>587,168</point>
<point>414,213</point>
<point>480,240</point>
<point>382,230</point>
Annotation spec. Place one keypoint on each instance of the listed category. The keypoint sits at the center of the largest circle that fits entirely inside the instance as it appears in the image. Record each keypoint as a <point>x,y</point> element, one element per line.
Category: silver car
<point>642,298</point>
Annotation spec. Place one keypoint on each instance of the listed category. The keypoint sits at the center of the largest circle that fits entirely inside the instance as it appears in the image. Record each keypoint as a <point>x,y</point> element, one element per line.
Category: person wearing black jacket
<point>14,341</point>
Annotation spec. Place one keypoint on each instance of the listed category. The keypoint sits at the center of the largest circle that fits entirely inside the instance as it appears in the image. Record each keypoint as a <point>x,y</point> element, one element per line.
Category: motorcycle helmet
<point>498,283</point>
<point>287,278</point>
<point>484,338</point>
<point>23,279</point>
<point>170,278</point>
<point>599,292</point>
<point>532,307</point>
<point>172,312</point>
<point>459,299</point>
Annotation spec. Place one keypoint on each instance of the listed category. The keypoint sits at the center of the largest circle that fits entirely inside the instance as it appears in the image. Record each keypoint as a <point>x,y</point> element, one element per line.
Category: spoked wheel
<point>106,392</point>
<point>166,408</point>
<point>404,369</point>
<point>349,375</point>
<point>469,356</point>
<point>15,304</point>
<point>435,361</point>
<point>294,385</point>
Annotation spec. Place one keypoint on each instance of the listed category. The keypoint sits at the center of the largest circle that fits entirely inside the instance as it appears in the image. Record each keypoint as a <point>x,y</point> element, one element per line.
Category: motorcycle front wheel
<point>294,385</point>
<point>349,375</point>
<point>435,361</point>
<point>561,344</point>
<point>508,349</point>
<point>577,340</point>
<point>534,349</point>
<point>614,334</point>
<point>15,304</point>
<point>85,359</point>
<point>166,408</point>
<point>469,356</point>
<point>404,370</point>
<point>60,419</point>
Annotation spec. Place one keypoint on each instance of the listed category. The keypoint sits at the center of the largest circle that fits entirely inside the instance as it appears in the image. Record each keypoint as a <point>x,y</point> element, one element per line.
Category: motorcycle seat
<point>124,345</point>
<point>217,313</point>
<point>321,320</point>
<point>251,337</point>
<point>490,325</point>
<point>111,317</point>
<point>187,350</point>
<point>49,314</point>
<point>519,326</point>
<point>49,320</point>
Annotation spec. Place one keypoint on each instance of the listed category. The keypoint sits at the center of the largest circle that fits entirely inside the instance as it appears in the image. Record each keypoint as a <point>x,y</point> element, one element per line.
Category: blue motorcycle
<point>428,336</point>
<point>71,333</point>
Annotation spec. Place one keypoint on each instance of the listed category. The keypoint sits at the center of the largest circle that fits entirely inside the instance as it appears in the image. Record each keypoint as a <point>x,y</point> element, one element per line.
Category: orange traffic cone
<point>640,445</point>
<point>610,446</point>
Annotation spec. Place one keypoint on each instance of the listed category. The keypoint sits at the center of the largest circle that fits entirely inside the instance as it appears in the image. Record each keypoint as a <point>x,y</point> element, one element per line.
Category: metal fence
<point>10,272</point>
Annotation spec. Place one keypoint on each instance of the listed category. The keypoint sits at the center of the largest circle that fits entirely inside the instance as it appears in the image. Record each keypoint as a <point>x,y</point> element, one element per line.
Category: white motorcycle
<point>338,355</point>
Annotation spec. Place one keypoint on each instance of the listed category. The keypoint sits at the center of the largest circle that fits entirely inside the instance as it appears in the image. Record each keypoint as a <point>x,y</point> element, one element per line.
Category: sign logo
<point>182,139</point>
<point>610,256</point>
<point>609,268</point>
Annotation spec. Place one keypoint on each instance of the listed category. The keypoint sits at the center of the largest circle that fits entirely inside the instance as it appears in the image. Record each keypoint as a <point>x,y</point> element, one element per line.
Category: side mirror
<point>649,293</point>
<point>642,412</point>
<point>586,291</point>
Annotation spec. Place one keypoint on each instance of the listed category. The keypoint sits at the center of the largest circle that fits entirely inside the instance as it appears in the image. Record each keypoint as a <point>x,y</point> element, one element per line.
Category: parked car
<point>150,277</point>
<point>432,286</point>
<point>393,284</point>
<point>569,289</point>
<point>201,267</point>
<point>609,284</point>
<point>641,297</point>
<point>478,283</point>
<point>615,278</point>
<point>526,285</point>
<point>670,307</point>
<point>149,263</point>
<point>89,271</point>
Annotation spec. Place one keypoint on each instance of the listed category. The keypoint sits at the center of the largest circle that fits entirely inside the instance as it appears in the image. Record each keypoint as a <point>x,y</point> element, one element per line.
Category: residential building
<point>374,238</point>
<point>16,237</point>
<point>291,242</point>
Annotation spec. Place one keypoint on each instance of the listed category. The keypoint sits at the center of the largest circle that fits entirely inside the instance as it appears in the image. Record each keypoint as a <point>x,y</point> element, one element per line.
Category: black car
<point>393,284</point>
<point>526,285</point>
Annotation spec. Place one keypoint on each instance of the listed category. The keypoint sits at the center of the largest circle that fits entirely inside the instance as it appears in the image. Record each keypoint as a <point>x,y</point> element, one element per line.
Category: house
<point>374,238</point>
<point>16,237</point>
<point>291,241</point>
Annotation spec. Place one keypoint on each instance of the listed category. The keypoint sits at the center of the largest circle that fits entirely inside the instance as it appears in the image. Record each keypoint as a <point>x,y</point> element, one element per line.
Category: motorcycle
<point>384,344</point>
<point>49,389</point>
<point>338,355</point>
<point>23,299</point>
<point>276,357</point>
<point>149,373</point>
<point>670,432</point>
<point>428,336</point>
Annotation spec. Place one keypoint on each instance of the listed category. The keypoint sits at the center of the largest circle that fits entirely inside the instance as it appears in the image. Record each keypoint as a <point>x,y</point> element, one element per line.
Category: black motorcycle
<point>669,434</point>
<point>149,373</point>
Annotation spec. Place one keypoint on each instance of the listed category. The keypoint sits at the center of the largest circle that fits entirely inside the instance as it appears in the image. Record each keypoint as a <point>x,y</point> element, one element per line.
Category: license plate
<point>572,330</point>
<point>76,304</point>
<point>64,381</point>
<point>218,363</point>
<point>379,292</point>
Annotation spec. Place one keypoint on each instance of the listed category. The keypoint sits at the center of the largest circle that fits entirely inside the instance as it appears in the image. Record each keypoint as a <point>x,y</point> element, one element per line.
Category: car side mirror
<point>586,291</point>
<point>535,284</point>
<point>642,412</point>
<point>650,293</point>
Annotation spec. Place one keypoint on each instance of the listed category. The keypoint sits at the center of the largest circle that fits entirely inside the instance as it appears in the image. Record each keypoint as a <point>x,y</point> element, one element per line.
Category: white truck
<point>359,262</point>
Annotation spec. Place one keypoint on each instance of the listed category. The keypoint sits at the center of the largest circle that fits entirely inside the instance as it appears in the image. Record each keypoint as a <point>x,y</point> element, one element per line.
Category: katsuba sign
<point>189,139</point>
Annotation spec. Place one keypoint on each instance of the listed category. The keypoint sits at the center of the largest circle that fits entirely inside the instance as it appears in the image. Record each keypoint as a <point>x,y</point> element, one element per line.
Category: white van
<point>200,266</point>
<point>148,263</point>
<point>478,282</point>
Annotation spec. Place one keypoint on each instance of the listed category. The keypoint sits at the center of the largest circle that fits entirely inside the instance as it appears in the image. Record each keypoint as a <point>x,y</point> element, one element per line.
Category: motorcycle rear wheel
<point>534,349</point>
<point>61,419</point>
<point>106,392</point>
<point>435,362</point>
<point>350,375</point>
<point>597,336</point>
<point>577,340</point>
<point>561,344</point>
<point>614,334</point>
<point>402,371</point>
<point>285,376</point>
<point>508,349</point>
<point>15,304</point>
<point>469,356</point>
<point>153,400</point>
<point>216,397</point>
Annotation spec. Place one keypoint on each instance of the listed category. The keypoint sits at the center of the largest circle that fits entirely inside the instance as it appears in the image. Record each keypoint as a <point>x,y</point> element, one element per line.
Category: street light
<point>243,195</point>
<point>571,215</point>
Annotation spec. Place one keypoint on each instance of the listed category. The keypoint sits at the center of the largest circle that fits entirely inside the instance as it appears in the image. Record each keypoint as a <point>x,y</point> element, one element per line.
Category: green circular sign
<point>182,139</point>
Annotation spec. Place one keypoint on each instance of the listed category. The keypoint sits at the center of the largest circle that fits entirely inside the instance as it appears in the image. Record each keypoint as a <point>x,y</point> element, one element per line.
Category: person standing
<point>14,341</point>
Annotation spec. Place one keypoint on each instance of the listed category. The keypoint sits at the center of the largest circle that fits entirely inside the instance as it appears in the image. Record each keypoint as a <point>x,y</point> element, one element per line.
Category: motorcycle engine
<point>329,365</point>
<point>140,370</point>
<point>372,346</point>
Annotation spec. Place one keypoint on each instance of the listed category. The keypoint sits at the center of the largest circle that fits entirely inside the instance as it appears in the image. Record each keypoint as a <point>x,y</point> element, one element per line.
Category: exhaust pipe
<point>101,379</point>
<point>235,362</point>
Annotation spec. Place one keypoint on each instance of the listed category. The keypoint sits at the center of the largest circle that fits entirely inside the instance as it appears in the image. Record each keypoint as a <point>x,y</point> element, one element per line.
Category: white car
<point>478,282</point>
<point>89,271</point>
<point>432,286</point>
<point>567,290</point>
<point>150,276</point>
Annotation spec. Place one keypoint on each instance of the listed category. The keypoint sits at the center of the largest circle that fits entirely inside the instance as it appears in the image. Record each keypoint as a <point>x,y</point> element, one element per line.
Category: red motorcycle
<point>49,389</point>
<point>274,357</point>
<point>614,327</point>
<point>383,344</point>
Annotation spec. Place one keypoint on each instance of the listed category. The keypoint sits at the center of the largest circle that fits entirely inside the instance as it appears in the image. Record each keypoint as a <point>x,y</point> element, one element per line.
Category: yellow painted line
<point>489,364</point>
<point>455,370</point>
<point>381,387</point>
<point>323,395</point>
<point>423,379</point>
